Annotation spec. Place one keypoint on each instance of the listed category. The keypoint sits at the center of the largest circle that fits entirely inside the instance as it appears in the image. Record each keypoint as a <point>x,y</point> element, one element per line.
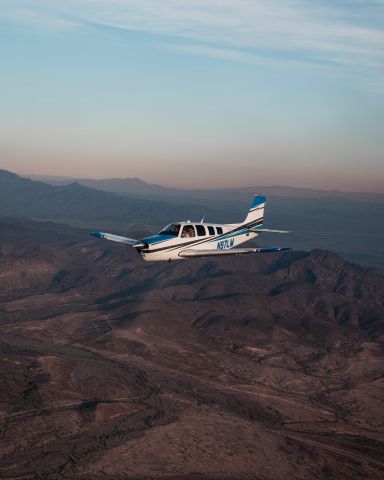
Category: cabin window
<point>172,229</point>
<point>188,231</point>
<point>211,230</point>
<point>219,230</point>
<point>200,230</point>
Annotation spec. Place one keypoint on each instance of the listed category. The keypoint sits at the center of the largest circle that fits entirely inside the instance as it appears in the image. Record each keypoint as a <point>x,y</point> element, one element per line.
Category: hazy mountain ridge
<point>28,198</point>
<point>136,186</point>
<point>349,227</point>
<point>115,368</point>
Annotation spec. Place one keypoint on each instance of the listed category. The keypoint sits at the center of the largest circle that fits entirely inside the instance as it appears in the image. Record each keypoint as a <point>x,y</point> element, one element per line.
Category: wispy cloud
<point>41,19</point>
<point>343,33</point>
<point>227,54</point>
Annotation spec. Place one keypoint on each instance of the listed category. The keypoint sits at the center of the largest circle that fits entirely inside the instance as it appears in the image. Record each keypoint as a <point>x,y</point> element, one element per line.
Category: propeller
<point>138,229</point>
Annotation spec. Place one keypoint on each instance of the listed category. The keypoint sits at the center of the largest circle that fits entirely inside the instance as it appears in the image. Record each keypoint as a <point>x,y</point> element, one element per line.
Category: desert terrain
<point>268,367</point>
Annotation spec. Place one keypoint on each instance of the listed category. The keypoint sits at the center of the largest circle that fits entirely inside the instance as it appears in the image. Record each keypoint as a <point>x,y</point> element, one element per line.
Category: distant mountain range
<point>349,226</point>
<point>136,186</point>
<point>74,202</point>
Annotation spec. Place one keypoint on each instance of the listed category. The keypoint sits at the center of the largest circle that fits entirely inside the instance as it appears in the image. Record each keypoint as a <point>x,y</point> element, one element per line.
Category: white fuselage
<point>169,243</point>
<point>182,240</point>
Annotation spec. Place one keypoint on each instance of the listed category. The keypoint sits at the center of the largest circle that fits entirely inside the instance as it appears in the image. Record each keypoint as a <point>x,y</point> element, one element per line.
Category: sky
<point>193,93</point>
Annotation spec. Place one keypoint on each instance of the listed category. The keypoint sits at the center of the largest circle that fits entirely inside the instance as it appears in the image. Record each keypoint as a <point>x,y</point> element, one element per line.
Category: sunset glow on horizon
<point>195,94</point>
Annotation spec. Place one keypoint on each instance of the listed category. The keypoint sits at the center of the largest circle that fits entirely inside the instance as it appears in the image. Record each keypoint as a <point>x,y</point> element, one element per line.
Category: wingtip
<point>275,249</point>
<point>96,234</point>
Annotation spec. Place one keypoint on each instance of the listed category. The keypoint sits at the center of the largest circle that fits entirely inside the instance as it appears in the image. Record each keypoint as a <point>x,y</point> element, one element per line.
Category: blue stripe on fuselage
<point>230,235</point>
<point>154,239</point>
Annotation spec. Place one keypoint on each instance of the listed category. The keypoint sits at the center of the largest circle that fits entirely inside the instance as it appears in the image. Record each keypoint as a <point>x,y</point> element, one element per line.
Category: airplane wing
<point>231,251</point>
<point>114,238</point>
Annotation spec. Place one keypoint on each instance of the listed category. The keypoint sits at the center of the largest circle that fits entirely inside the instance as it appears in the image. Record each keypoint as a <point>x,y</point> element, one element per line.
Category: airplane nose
<point>140,245</point>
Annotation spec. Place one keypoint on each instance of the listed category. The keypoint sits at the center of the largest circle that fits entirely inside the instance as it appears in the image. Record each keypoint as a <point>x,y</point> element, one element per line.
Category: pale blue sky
<point>193,93</point>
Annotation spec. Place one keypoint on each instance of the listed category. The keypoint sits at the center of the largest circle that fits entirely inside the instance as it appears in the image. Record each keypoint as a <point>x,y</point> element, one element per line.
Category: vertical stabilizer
<point>255,215</point>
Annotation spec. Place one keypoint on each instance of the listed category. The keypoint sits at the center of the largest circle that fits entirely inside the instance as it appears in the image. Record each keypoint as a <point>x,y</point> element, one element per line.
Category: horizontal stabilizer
<point>268,230</point>
<point>231,251</point>
<point>114,238</point>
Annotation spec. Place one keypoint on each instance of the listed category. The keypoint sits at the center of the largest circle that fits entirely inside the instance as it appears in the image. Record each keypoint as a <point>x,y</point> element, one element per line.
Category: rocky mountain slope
<point>264,367</point>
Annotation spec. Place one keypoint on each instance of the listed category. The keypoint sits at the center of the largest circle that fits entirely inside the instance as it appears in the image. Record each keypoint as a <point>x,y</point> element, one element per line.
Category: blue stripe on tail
<point>258,200</point>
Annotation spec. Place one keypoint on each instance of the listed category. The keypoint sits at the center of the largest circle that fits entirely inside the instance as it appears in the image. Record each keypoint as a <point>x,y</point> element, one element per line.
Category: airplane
<point>182,240</point>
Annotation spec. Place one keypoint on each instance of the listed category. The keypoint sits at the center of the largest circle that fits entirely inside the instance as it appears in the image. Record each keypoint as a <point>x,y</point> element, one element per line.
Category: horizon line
<point>275,185</point>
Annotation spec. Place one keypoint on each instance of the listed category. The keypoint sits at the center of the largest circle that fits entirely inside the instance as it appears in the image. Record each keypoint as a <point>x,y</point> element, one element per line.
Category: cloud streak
<point>344,34</point>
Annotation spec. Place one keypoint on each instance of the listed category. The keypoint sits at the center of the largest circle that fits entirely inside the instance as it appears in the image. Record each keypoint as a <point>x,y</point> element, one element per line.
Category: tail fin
<point>255,215</point>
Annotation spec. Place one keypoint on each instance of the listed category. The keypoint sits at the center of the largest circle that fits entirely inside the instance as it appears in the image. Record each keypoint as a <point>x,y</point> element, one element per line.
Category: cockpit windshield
<point>172,229</point>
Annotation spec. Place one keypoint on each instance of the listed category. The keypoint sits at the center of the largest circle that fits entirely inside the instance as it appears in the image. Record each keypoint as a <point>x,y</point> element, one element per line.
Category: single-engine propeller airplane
<point>188,239</point>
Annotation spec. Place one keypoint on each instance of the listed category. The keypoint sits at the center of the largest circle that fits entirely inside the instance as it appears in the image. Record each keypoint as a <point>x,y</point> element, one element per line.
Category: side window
<point>188,231</point>
<point>211,231</point>
<point>200,230</point>
<point>219,230</point>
